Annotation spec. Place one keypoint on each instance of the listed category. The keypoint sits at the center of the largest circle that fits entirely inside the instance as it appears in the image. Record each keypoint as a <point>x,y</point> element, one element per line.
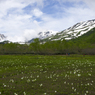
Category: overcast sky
<point>23,19</point>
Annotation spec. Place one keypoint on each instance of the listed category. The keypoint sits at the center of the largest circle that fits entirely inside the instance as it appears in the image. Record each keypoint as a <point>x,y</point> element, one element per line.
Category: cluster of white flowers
<point>72,68</point>
<point>4,85</point>
<point>34,80</point>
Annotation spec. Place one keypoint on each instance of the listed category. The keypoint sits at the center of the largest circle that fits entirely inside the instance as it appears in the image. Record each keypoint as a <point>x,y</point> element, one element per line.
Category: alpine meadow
<point>47,47</point>
<point>47,75</point>
<point>60,64</point>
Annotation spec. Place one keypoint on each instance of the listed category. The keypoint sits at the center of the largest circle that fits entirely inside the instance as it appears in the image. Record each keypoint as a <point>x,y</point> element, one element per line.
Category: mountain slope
<point>2,37</point>
<point>88,37</point>
<point>43,35</point>
<point>73,32</point>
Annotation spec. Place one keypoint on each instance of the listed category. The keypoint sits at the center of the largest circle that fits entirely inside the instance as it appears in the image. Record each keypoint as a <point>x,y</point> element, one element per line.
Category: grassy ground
<point>47,75</point>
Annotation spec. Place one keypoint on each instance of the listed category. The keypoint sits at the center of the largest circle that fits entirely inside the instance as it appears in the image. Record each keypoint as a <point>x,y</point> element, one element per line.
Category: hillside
<point>78,39</point>
<point>43,35</point>
<point>2,37</point>
<point>73,32</point>
<point>88,37</point>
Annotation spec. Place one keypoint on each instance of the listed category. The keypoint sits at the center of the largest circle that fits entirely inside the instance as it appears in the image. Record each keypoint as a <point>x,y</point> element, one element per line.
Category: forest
<point>53,47</point>
<point>84,44</point>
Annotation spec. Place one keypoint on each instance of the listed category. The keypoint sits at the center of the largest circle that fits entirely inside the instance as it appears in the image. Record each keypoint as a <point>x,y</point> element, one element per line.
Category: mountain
<point>32,40</point>
<point>44,34</point>
<point>2,37</point>
<point>73,32</point>
<point>88,37</point>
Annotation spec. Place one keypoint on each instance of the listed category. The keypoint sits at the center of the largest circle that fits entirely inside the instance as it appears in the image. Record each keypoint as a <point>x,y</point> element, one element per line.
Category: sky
<point>22,20</point>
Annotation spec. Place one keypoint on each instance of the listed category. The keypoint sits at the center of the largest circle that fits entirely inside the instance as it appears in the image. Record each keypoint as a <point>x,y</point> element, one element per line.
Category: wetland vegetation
<point>47,75</point>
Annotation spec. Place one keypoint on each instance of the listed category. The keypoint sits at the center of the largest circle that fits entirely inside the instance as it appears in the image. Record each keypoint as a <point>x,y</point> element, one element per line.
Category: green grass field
<point>47,75</point>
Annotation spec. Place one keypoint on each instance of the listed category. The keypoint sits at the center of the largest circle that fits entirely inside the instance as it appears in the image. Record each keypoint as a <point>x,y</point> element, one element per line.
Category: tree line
<point>50,47</point>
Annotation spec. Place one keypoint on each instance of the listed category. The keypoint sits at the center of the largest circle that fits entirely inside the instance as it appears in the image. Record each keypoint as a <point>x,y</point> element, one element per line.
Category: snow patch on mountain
<point>75,31</point>
<point>2,37</point>
<point>45,34</point>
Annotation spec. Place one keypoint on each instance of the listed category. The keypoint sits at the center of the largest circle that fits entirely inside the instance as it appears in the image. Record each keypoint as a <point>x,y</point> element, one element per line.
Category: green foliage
<point>47,75</point>
<point>88,37</point>
<point>84,44</point>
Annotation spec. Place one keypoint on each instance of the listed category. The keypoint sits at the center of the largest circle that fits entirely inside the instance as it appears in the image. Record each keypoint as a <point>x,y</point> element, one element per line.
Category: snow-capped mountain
<point>74,31</point>
<point>45,34</point>
<point>2,37</point>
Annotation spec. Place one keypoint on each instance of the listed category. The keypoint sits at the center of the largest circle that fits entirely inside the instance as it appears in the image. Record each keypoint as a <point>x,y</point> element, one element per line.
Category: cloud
<point>37,13</point>
<point>23,19</point>
<point>67,16</point>
<point>13,19</point>
<point>80,13</point>
<point>28,34</point>
<point>90,3</point>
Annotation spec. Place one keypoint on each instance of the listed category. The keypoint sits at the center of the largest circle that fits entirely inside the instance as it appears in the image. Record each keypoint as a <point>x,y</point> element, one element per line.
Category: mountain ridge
<point>73,32</point>
<point>44,34</point>
<point>2,37</point>
<point>88,37</point>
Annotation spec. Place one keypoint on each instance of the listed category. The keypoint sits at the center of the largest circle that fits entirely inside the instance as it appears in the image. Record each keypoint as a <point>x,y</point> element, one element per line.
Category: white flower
<point>28,80</point>
<point>74,72</point>
<point>74,90</point>
<point>22,77</point>
<point>31,76</point>
<point>15,94</point>
<point>86,91</point>
<point>4,85</point>
<point>11,80</point>
<point>24,93</point>
<point>33,80</point>
<point>65,82</point>
<point>88,84</point>
<point>55,91</point>
<point>41,85</point>
<point>50,76</point>
<point>72,87</point>
<point>0,92</point>
<point>71,83</point>
<point>79,75</point>
<point>89,74</point>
